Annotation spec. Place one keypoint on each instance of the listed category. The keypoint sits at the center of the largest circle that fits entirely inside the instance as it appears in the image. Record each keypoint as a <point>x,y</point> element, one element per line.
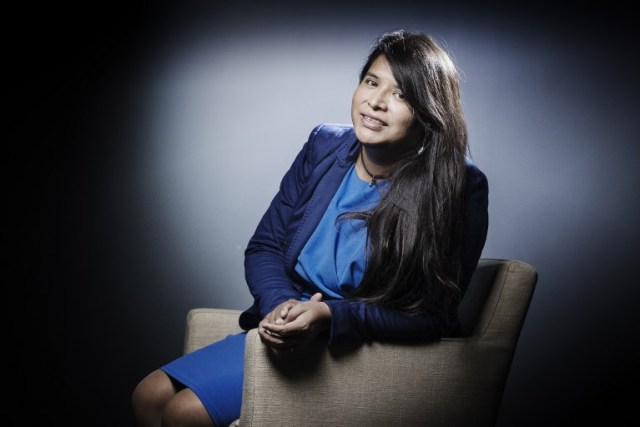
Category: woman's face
<point>379,111</point>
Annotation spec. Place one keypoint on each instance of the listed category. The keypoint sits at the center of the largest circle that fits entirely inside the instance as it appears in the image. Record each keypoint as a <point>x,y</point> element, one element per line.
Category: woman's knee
<point>185,409</point>
<point>154,391</point>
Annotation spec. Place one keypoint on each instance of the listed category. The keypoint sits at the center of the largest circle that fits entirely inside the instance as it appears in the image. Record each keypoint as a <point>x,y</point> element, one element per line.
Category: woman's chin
<point>367,136</point>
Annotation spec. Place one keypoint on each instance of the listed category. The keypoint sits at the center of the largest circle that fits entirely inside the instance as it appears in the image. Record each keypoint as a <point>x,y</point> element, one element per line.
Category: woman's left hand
<point>302,323</point>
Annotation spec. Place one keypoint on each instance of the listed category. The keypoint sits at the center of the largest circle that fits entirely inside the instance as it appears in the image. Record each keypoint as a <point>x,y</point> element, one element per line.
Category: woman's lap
<point>215,374</point>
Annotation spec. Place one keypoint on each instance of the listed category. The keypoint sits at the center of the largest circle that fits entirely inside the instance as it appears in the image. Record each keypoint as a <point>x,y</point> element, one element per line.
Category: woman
<point>373,235</point>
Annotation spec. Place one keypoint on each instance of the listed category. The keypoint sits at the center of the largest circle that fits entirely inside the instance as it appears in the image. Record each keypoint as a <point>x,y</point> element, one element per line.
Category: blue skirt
<point>214,373</point>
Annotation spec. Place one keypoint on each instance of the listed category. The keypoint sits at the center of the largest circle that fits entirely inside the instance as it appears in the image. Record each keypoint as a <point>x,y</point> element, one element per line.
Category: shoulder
<point>332,133</point>
<point>328,139</point>
<point>476,179</point>
<point>477,188</point>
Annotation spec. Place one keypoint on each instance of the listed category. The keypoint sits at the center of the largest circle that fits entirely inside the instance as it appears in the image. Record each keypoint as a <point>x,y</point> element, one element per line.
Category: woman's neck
<point>374,164</point>
<point>378,159</point>
<point>373,170</point>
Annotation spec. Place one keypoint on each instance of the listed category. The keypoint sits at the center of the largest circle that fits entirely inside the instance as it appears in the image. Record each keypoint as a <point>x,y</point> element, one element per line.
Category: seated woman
<point>373,235</point>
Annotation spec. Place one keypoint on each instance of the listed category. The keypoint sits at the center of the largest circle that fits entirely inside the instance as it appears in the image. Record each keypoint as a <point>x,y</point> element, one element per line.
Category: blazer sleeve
<point>264,262</point>
<point>359,321</point>
<point>354,321</point>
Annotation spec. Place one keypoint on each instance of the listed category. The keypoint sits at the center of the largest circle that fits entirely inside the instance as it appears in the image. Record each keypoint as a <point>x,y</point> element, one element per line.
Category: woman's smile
<point>372,123</point>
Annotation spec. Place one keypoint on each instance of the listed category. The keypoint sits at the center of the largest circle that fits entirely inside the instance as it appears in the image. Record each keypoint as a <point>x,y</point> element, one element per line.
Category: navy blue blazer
<point>295,211</point>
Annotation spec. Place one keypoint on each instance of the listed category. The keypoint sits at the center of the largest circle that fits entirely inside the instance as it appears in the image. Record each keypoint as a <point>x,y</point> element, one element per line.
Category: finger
<point>297,311</point>
<point>273,330</point>
<point>271,318</point>
<point>316,297</point>
<point>277,344</point>
<point>286,331</point>
<point>269,337</point>
<point>284,311</point>
<point>281,319</point>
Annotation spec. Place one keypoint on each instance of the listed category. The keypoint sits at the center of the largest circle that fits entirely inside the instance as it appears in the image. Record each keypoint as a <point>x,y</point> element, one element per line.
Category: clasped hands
<point>293,324</point>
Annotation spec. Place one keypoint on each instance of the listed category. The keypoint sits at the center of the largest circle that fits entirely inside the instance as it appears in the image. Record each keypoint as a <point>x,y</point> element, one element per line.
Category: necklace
<point>373,177</point>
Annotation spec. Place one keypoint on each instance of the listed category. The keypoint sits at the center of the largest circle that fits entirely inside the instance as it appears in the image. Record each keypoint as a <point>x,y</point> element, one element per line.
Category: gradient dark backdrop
<point>145,141</point>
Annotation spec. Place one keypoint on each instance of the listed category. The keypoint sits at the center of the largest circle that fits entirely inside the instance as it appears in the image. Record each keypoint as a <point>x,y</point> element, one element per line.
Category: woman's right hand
<point>293,324</point>
<point>279,314</point>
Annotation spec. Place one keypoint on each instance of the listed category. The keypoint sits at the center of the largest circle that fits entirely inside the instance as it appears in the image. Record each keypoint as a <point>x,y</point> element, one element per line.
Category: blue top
<point>334,257</point>
<point>296,210</point>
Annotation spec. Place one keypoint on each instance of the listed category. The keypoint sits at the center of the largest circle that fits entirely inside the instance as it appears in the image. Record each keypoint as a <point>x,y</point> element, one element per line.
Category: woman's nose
<point>377,100</point>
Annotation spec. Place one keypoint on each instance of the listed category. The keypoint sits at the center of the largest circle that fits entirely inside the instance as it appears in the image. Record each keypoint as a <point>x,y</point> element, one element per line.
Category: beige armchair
<point>457,381</point>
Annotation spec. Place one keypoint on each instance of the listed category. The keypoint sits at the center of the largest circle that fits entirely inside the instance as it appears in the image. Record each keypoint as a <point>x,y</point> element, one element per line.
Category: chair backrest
<point>457,381</point>
<point>492,314</point>
<point>507,284</point>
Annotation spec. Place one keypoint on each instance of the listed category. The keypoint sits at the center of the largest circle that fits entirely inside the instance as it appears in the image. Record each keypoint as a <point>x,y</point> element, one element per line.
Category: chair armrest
<point>374,384</point>
<point>207,325</point>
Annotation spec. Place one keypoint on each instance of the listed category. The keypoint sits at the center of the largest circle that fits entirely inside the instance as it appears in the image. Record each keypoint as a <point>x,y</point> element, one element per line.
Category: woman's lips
<point>372,123</point>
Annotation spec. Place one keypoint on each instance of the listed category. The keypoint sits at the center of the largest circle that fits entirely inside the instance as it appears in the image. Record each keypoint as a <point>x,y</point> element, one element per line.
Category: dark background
<point>131,186</point>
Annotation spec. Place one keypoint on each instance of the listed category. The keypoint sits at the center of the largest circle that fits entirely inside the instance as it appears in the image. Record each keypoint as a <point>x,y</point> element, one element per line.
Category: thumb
<point>317,297</point>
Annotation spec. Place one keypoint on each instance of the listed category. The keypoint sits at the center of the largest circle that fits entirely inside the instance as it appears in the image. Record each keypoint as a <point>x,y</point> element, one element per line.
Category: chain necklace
<point>373,177</point>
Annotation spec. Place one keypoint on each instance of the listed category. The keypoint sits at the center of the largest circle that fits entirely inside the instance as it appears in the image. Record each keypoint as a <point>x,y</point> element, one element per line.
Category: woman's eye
<point>399,95</point>
<point>370,82</point>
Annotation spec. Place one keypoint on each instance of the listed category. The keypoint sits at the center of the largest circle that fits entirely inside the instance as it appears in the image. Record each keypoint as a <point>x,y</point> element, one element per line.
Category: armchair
<point>457,381</point>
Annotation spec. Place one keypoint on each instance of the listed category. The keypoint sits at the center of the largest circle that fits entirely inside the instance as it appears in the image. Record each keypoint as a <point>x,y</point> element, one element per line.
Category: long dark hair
<point>414,232</point>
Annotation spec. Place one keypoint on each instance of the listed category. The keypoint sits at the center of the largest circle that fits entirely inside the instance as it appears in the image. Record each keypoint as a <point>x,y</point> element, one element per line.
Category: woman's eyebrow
<point>370,74</point>
<point>395,84</point>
